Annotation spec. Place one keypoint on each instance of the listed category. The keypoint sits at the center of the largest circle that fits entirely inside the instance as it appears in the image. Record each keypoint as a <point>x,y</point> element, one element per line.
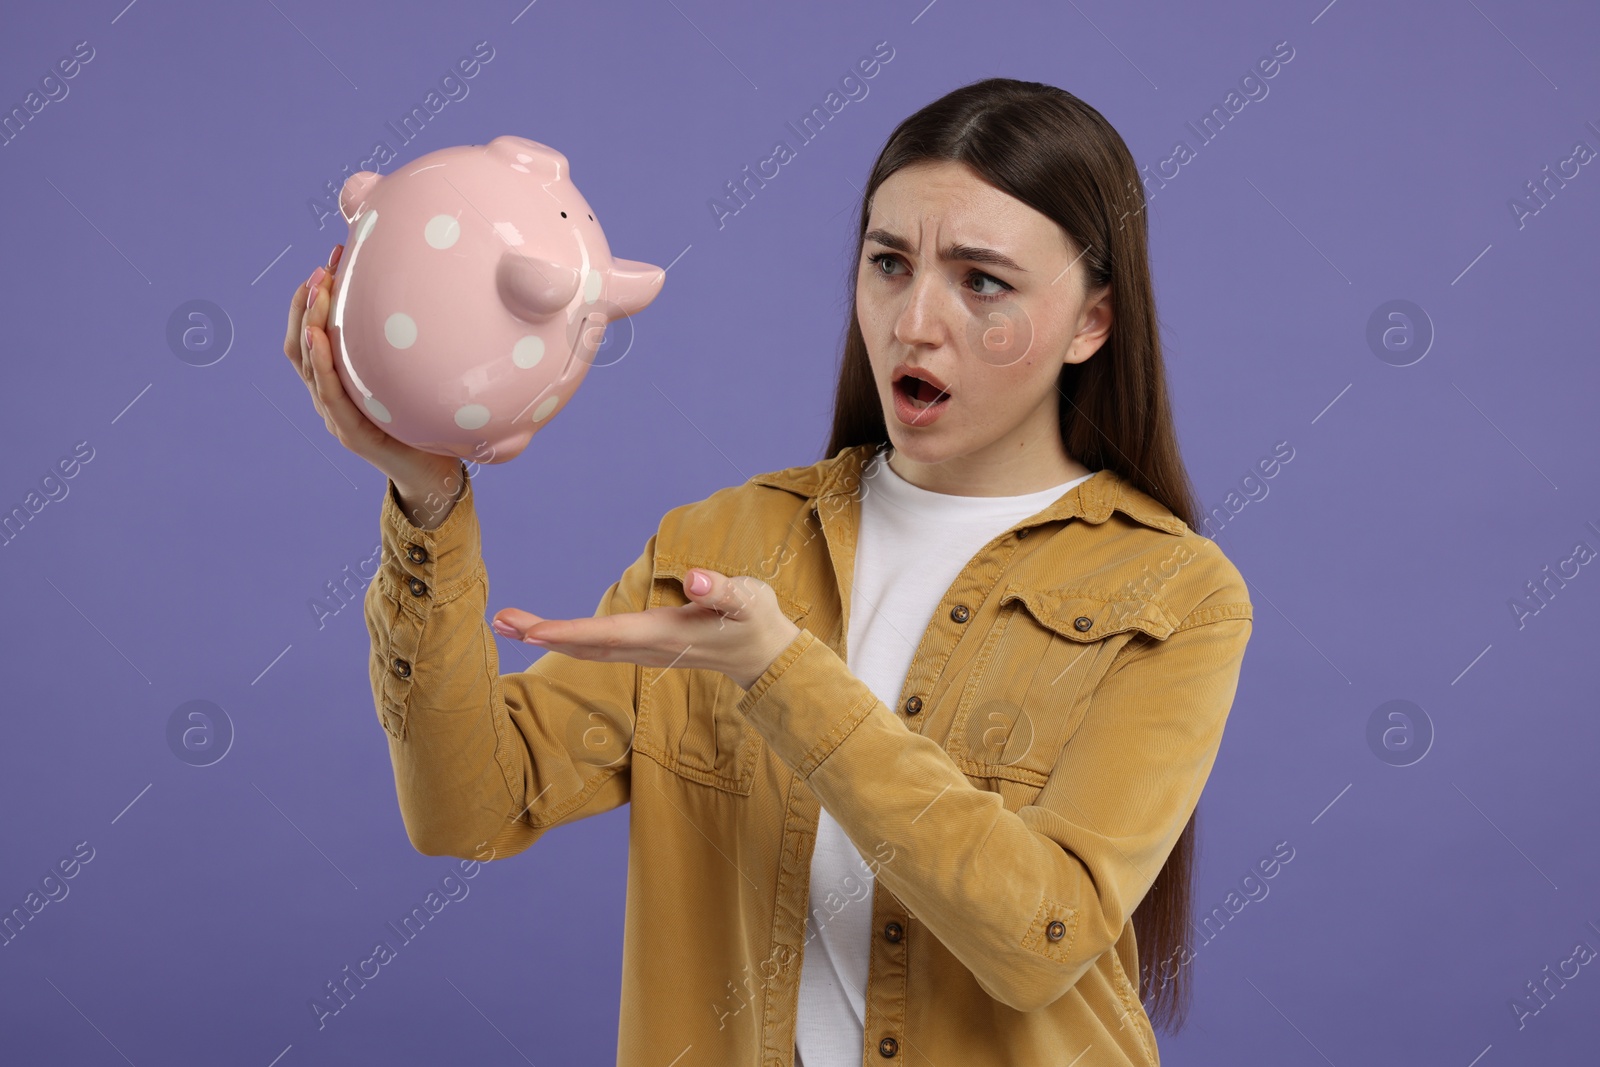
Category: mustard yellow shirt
<point>1060,717</point>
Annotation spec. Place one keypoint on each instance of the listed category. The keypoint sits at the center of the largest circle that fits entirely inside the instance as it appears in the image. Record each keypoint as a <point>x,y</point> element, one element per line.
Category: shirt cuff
<point>440,561</point>
<point>795,704</point>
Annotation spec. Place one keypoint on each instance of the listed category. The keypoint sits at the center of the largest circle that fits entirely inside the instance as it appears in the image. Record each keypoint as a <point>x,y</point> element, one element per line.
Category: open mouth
<point>921,393</point>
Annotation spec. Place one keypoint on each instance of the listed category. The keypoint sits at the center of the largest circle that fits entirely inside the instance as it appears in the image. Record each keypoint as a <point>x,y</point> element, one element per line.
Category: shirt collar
<point>1092,501</point>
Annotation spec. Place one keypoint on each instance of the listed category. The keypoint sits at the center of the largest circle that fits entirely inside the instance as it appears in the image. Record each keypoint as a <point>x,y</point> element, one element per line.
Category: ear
<point>354,193</point>
<point>532,156</point>
<point>634,284</point>
<point>1096,326</point>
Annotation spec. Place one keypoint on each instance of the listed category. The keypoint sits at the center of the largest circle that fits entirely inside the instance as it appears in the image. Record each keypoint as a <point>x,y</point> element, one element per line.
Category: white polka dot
<point>400,330</point>
<point>376,409</point>
<point>591,287</point>
<point>472,416</point>
<point>546,406</point>
<point>368,221</point>
<point>528,352</point>
<point>442,231</point>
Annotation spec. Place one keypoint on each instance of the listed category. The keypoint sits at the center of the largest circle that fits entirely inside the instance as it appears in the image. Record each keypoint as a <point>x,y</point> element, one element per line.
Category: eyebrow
<point>968,253</point>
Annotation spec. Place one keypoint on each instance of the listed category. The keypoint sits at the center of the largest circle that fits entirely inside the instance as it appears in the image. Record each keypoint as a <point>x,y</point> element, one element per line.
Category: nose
<point>920,320</point>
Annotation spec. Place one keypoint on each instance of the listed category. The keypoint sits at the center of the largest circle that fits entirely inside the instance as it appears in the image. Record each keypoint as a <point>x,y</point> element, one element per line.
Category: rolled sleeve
<point>450,552</point>
<point>419,572</point>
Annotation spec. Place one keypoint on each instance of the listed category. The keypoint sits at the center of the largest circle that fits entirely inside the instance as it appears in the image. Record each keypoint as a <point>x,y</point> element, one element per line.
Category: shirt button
<point>1082,624</point>
<point>418,587</point>
<point>1056,930</point>
<point>888,1047</point>
<point>893,932</point>
<point>960,613</point>
<point>913,705</point>
<point>417,554</point>
<point>402,668</point>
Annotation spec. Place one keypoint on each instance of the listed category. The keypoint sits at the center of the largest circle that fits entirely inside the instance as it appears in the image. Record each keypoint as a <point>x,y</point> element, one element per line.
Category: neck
<point>979,476</point>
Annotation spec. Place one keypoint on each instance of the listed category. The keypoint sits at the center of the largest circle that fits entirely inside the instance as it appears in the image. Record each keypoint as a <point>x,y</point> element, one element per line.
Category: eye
<point>882,257</point>
<point>997,294</point>
<point>878,258</point>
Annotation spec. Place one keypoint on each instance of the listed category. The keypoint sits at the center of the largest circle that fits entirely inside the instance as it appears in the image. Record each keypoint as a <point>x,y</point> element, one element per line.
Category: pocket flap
<point>1082,616</point>
<point>674,568</point>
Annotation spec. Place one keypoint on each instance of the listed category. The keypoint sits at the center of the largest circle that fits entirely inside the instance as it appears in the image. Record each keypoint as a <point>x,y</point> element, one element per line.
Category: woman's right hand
<point>309,347</point>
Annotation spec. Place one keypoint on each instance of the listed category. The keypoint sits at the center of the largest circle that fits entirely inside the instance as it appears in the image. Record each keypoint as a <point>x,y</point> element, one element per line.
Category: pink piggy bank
<point>472,296</point>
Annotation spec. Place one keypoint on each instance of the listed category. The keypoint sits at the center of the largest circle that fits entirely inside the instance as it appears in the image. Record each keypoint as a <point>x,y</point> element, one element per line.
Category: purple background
<point>183,561</point>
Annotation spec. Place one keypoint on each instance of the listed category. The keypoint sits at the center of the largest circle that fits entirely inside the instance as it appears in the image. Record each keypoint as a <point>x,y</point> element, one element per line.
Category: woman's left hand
<point>733,625</point>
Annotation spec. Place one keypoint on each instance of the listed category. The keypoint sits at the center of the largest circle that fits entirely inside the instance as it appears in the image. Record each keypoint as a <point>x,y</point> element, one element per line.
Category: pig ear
<point>356,189</point>
<point>533,289</point>
<point>634,284</point>
<point>546,162</point>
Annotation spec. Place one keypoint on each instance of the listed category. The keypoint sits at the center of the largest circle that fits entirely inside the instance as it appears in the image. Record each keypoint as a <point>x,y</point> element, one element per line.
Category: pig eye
<point>563,214</point>
<point>591,218</point>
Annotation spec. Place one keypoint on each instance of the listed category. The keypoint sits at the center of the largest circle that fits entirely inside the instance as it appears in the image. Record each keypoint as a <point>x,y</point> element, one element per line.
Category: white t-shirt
<point>912,544</point>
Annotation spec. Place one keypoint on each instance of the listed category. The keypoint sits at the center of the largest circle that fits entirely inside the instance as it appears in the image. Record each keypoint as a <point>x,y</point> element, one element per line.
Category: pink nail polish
<point>502,629</point>
<point>316,279</point>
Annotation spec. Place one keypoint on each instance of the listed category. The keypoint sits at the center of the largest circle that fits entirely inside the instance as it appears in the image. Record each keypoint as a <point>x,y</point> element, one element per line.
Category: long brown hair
<point>1058,155</point>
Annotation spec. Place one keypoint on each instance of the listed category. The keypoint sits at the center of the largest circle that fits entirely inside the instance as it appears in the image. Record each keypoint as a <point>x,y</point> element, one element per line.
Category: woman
<point>963,847</point>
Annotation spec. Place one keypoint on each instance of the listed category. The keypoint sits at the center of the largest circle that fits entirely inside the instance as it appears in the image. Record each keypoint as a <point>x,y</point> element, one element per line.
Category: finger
<point>634,635</point>
<point>316,307</point>
<point>311,300</point>
<point>664,637</point>
<point>514,622</point>
<point>307,369</point>
<point>338,410</point>
<point>701,585</point>
<point>307,364</point>
<point>718,592</point>
<point>308,328</point>
<point>292,340</point>
<point>325,384</point>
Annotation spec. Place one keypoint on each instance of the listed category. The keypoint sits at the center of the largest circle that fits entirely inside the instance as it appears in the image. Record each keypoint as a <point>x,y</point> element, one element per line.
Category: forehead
<point>950,201</point>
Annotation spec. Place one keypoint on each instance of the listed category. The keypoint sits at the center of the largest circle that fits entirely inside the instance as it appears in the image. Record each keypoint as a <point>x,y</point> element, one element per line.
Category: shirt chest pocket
<point>688,718</point>
<point>1034,680</point>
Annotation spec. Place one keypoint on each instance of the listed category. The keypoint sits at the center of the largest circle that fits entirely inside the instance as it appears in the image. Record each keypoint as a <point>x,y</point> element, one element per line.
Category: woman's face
<point>982,296</point>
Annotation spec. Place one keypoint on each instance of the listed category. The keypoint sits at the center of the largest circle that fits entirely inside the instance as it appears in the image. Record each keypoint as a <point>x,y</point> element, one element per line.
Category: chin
<point>920,447</point>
